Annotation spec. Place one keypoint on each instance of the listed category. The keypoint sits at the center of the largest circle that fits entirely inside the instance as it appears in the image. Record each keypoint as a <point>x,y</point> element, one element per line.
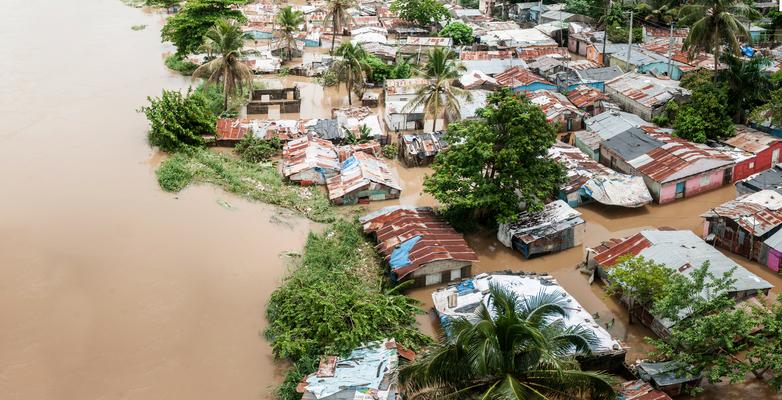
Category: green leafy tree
<point>518,350</point>
<point>642,281</point>
<point>439,96</point>
<point>714,23</point>
<point>422,12</point>
<point>253,149</point>
<point>380,70</point>
<point>186,29</point>
<point>497,162</point>
<point>748,85</point>
<point>459,32</point>
<point>402,69</point>
<point>337,13</point>
<point>351,66</point>
<point>705,115</point>
<point>288,22</point>
<point>225,40</point>
<point>167,4</point>
<point>178,121</point>
<point>771,112</point>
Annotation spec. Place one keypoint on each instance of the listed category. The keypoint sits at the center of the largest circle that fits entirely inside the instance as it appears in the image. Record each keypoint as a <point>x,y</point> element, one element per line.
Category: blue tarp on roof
<point>349,162</point>
<point>401,254</point>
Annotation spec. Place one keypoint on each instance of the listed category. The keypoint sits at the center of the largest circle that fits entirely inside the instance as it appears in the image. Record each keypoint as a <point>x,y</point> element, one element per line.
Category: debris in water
<point>138,27</point>
<point>224,204</point>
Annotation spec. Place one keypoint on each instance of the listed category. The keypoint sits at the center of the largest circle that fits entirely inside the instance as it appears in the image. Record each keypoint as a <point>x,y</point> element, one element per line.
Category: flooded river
<point>112,289</point>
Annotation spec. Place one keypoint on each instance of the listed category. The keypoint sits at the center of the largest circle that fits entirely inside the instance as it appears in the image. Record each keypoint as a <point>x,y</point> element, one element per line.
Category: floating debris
<point>138,27</point>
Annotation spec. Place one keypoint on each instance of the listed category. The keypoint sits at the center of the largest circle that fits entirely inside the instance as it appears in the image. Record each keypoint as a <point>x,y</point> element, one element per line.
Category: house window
<point>456,274</point>
<point>752,165</point>
<point>705,180</point>
<point>433,279</point>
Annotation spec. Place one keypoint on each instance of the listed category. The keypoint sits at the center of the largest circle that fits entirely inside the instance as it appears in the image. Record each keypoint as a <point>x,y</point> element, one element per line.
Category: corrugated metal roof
<point>751,140</point>
<point>645,89</point>
<point>757,213</point>
<point>584,95</point>
<point>359,172</point>
<point>518,76</point>
<point>308,153</point>
<point>530,53</point>
<point>424,144</point>
<point>528,227</point>
<point>553,104</point>
<point>395,225</point>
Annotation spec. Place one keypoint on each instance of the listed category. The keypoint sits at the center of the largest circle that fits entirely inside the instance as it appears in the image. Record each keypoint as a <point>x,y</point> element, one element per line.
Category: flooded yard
<point>113,289</point>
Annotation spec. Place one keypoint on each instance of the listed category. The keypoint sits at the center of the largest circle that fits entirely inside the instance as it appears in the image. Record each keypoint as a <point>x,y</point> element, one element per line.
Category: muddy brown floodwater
<point>112,289</point>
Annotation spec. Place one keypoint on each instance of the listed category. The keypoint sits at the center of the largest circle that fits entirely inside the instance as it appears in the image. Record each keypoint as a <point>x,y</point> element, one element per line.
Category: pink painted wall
<point>773,259</point>
<point>692,186</point>
<point>668,193</point>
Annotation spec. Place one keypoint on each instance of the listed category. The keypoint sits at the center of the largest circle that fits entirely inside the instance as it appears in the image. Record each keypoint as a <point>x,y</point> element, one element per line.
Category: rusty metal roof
<point>553,104</point>
<point>584,95</point>
<point>308,153</point>
<point>232,129</point>
<point>395,225</point>
<point>517,76</point>
<point>424,144</point>
<point>486,55</point>
<point>646,89</point>
<point>751,140</point>
<point>579,167</point>
<point>529,53</point>
<point>361,171</point>
<point>757,213</point>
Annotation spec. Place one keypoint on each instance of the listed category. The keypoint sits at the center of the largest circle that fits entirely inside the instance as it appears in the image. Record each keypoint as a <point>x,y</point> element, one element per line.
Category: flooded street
<point>113,289</point>
<point>110,288</point>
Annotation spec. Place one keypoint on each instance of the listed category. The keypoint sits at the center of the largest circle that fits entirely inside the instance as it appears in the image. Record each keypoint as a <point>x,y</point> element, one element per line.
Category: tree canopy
<point>459,32</point>
<point>518,350</point>
<point>422,12</point>
<point>705,116</point>
<point>496,165</point>
<point>186,29</point>
<point>178,121</point>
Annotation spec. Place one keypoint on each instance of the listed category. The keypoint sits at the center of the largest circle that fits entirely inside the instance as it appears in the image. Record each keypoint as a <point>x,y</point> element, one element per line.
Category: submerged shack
<point>555,228</point>
<point>589,180</point>
<point>363,178</point>
<point>419,245</point>
<point>310,160</point>
<point>421,149</point>
<point>461,301</point>
<point>370,372</point>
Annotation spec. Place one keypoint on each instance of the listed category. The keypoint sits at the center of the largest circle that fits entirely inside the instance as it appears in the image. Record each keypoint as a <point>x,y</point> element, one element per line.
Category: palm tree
<point>337,12</point>
<point>713,24</point>
<point>225,39</point>
<point>748,85</point>
<point>439,96</point>
<point>519,350</point>
<point>289,22</point>
<point>351,66</point>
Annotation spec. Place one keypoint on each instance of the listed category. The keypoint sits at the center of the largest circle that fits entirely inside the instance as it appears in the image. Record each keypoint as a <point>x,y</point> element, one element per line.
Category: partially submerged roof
<point>424,144</point>
<point>682,252</point>
<point>666,373</point>
<point>308,153</point>
<point>409,238</point>
<point>757,213</point>
<point>598,181</point>
<point>640,390</point>
<point>358,172</point>
<point>530,226</point>
<point>470,294</point>
<point>369,369</point>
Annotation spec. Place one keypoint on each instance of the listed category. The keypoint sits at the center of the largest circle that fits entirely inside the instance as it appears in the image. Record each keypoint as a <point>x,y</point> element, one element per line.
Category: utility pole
<point>630,41</point>
<point>540,11</point>
<point>670,52</point>
<point>605,34</point>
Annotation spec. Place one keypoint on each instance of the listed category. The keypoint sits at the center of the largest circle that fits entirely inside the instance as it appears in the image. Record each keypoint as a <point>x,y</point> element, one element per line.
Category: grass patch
<point>260,182</point>
<point>135,3</point>
<point>180,65</point>
<point>337,298</point>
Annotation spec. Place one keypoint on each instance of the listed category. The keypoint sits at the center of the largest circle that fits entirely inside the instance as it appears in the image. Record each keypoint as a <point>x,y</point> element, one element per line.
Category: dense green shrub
<point>180,65</point>
<point>174,175</point>
<point>390,151</point>
<point>459,32</point>
<point>255,150</point>
<point>178,120</point>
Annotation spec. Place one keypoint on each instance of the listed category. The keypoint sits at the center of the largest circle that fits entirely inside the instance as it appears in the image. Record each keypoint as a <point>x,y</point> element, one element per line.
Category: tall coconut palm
<point>289,22</point>
<point>337,13</point>
<point>351,66</point>
<point>714,24</point>
<point>439,96</point>
<point>518,350</point>
<point>225,40</point>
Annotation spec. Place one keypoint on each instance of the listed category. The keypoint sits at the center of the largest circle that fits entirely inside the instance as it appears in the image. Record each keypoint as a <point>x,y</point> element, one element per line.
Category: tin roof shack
<point>770,179</point>
<point>352,119</point>
<point>309,160</point>
<point>589,180</point>
<point>398,93</point>
<point>589,99</point>
<point>672,168</point>
<point>230,131</point>
<point>683,252</point>
<point>555,228</point>
<point>514,38</point>
<point>420,46</point>
<point>604,126</point>
<point>363,178</point>
<point>421,149</point>
<point>640,390</point>
<point>490,62</point>
<point>671,377</point>
<point>461,301</point>
<point>764,150</point>
<point>558,109</point>
<point>520,79</point>
<point>644,95</point>
<point>369,372</point>
<point>419,245</point>
<point>288,100</point>
<point>741,225</point>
